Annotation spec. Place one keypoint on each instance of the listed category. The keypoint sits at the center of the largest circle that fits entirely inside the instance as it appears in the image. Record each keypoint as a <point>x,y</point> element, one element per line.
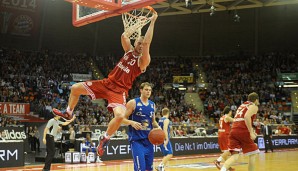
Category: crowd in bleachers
<point>7,121</point>
<point>231,79</point>
<point>43,79</point>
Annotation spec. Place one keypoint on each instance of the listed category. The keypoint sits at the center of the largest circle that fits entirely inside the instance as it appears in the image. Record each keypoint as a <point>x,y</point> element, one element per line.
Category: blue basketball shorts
<point>166,150</point>
<point>143,154</point>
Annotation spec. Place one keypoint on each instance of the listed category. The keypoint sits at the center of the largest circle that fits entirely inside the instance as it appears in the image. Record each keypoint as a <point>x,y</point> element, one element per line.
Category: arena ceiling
<point>177,7</point>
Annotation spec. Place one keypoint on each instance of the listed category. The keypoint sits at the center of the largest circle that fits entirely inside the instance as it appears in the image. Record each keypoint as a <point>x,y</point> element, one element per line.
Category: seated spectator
<point>89,146</point>
<point>124,134</point>
<point>284,130</point>
<point>179,131</point>
<point>2,136</point>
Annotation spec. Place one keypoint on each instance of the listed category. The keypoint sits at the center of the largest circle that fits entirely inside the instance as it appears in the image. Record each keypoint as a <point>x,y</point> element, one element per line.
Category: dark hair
<point>252,97</point>
<point>226,110</point>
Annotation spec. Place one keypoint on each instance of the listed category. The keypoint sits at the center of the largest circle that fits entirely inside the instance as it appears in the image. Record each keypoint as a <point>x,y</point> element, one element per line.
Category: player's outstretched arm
<point>125,41</point>
<point>145,59</point>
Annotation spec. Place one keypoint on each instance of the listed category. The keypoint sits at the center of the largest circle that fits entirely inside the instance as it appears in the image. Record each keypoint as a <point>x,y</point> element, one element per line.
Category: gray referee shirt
<point>53,122</point>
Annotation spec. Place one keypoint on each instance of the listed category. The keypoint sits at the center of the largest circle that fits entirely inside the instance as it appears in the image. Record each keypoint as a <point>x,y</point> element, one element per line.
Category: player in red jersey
<point>223,135</point>
<point>115,88</point>
<point>242,135</point>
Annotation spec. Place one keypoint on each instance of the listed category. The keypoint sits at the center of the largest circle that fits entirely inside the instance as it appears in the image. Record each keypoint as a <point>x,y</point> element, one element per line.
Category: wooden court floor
<point>279,160</point>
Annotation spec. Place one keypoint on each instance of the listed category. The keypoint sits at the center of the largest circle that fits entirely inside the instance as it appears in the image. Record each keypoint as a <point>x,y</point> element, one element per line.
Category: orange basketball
<point>156,136</point>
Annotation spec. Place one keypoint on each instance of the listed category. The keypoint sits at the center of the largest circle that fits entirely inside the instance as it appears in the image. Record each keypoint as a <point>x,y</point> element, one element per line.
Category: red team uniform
<point>223,133</point>
<point>239,136</point>
<point>115,88</point>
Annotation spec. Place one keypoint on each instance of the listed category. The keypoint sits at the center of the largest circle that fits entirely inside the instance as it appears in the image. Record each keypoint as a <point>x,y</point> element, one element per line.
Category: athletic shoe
<point>103,142</point>
<point>160,168</point>
<point>98,160</point>
<point>63,114</point>
<point>217,164</point>
<point>231,169</point>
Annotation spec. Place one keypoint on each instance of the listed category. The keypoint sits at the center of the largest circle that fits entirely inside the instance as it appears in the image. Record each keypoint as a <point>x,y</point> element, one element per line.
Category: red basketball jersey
<point>126,71</point>
<point>224,127</point>
<point>240,113</point>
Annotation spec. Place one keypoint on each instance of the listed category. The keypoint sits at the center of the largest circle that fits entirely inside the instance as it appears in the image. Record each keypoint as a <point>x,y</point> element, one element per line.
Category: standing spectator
<point>267,134</point>
<point>36,137</point>
<point>32,139</point>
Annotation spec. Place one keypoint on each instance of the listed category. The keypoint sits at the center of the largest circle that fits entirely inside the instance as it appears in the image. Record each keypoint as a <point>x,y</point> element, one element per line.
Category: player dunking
<point>223,135</point>
<point>242,135</point>
<point>115,88</point>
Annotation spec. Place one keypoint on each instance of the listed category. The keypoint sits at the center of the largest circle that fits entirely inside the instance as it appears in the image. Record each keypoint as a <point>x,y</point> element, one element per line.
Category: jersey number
<point>240,111</point>
<point>132,62</point>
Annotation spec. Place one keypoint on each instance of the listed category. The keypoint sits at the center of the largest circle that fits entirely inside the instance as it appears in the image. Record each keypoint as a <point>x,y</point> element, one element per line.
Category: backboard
<point>83,15</point>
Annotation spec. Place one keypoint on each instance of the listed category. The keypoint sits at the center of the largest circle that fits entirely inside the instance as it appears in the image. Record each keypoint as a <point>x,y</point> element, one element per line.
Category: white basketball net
<point>135,20</point>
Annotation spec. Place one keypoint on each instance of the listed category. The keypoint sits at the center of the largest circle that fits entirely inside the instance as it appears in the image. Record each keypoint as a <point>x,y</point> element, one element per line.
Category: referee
<point>49,133</point>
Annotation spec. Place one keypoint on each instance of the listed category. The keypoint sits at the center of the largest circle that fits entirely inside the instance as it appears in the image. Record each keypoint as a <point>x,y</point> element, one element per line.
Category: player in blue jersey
<point>166,147</point>
<point>140,116</point>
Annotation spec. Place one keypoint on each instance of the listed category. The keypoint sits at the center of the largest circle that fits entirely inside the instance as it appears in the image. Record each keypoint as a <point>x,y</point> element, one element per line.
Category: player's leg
<point>228,163</point>
<point>116,102</point>
<point>223,142</point>
<point>234,147</point>
<point>138,155</point>
<point>76,90</point>
<point>149,155</point>
<point>225,155</point>
<point>113,126</point>
<point>115,123</point>
<point>167,153</point>
<point>251,163</point>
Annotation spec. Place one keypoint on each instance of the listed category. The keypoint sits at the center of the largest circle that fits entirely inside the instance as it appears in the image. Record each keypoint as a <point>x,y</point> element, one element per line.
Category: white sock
<point>68,110</point>
<point>106,135</point>
<point>223,168</point>
<point>219,159</point>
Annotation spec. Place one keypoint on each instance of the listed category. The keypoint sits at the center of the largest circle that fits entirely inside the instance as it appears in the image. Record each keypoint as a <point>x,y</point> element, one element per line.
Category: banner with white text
<point>14,108</point>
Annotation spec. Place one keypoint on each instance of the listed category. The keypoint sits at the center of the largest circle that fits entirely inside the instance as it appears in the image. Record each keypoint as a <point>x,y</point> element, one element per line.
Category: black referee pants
<point>50,145</point>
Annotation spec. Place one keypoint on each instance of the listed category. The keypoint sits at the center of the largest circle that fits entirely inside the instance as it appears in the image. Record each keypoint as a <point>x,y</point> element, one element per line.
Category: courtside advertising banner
<point>14,108</point>
<point>11,153</point>
<point>120,148</point>
<point>288,141</point>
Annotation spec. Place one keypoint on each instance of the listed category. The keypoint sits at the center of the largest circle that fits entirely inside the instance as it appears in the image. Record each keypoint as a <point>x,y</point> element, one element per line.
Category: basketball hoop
<point>135,20</point>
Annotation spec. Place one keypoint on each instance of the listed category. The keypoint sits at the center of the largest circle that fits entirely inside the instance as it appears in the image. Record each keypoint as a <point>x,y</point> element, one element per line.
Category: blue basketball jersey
<point>168,149</point>
<point>161,123</point>
<point>142,114</point>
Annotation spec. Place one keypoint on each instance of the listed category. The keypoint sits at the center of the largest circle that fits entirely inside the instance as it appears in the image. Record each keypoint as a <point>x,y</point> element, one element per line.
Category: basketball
<point>156,136</point>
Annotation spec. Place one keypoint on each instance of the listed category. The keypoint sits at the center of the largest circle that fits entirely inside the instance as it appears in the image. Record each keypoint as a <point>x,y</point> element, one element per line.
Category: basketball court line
<point>182,162</point>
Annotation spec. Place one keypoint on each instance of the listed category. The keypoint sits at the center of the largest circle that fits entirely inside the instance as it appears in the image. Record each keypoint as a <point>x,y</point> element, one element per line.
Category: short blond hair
<point>145,84</point>
<point>252,97</point>
<point>165,111</point>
